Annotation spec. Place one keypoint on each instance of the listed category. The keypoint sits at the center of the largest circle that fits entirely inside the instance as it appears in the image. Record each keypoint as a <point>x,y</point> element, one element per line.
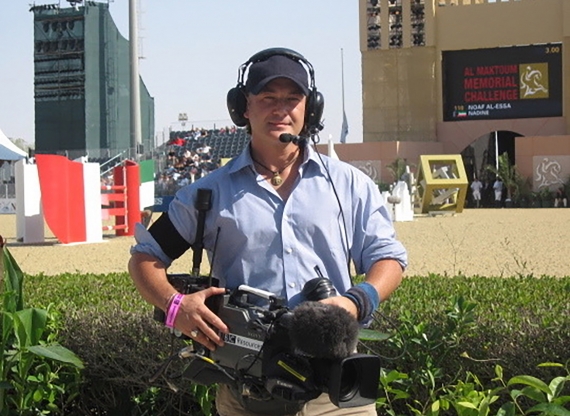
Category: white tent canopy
<point>8,150</point>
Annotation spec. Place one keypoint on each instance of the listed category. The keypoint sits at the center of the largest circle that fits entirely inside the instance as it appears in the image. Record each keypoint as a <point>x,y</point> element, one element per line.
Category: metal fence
<point>7,191</point>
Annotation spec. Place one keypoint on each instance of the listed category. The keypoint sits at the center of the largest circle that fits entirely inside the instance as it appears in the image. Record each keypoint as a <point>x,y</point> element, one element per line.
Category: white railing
<point>7,191</point>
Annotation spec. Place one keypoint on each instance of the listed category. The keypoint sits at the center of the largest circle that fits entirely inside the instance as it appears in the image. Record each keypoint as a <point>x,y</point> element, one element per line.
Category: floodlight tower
<point>135,86</point>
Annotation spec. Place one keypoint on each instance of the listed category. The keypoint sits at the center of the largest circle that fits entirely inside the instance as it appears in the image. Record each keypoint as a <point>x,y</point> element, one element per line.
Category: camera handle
<point>273,300</point>
<point>264,294</point>
<point>203,205</point>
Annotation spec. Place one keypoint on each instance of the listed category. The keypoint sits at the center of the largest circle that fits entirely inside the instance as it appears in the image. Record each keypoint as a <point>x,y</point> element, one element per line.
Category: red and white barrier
<point>68,194</point>
<point>124,202</point>
<point>29,213</point>
<point>71,198</point>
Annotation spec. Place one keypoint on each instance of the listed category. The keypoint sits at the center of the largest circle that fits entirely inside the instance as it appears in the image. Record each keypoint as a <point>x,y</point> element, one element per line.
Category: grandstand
<point>225,143</point>
<point>191,154</point>
<point>180,161</point>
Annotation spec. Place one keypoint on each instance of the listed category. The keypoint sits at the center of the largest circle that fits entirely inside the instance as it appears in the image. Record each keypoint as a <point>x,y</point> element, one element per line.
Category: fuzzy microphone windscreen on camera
<point>321,330</point>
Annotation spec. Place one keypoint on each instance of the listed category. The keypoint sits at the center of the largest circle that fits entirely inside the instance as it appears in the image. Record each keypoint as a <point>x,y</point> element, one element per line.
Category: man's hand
<point>197,321</point>
<point>194,318</point>
<point>343,302</point>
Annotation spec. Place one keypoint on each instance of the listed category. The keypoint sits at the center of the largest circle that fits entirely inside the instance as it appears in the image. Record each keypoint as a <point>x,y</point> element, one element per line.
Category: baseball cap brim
<point>277,66</point>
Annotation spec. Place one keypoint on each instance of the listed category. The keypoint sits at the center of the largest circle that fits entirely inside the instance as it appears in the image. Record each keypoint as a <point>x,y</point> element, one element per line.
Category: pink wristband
<point>173,310</point>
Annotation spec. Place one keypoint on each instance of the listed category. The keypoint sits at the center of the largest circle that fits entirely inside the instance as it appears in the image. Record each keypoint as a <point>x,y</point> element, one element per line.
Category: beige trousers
<point>228,405</point>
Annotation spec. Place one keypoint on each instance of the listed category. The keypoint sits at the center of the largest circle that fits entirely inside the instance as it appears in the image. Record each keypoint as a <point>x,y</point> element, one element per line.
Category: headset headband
<point>268,53</point>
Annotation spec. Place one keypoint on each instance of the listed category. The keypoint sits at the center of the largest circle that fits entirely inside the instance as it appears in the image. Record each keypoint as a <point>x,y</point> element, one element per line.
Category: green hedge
<point>517,323</point>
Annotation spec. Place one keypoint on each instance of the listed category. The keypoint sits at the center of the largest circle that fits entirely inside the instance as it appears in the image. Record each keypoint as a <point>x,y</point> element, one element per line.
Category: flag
<point>147,184</point>
<point>344,129</point>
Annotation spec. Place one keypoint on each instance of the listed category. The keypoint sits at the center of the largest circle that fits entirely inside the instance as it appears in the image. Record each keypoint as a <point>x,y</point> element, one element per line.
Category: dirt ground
<point>485,242</point>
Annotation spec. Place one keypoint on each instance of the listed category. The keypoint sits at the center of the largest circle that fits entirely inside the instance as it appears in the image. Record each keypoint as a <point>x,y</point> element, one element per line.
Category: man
<point>278,211</point>
<point>476,187</point>
<point>560,198</point>
<point>498,188</point>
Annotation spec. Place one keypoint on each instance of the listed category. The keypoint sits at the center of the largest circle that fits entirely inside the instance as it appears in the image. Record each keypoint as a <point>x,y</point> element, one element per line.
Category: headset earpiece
<point>314,112</point>
<point>237,105</point>
<point>237,101</point>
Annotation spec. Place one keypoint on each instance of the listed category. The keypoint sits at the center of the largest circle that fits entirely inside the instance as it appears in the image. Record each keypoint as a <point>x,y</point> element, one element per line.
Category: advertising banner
<point>502,83</point>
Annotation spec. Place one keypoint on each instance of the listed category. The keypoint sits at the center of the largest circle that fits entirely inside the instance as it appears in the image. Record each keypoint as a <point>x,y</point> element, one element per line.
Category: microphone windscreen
<point>287,138</point>
<point>322,330</point>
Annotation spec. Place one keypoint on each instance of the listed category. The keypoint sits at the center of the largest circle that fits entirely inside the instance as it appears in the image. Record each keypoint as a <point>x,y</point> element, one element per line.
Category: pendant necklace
<point>276,180</point>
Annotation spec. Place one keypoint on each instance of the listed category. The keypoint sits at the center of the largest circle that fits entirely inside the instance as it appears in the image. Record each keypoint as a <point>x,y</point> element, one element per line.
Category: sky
<point>191,51</point>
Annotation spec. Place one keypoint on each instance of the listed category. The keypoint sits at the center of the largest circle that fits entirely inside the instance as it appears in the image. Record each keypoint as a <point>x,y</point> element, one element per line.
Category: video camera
<point>279,358</point>
<point>263,358</point>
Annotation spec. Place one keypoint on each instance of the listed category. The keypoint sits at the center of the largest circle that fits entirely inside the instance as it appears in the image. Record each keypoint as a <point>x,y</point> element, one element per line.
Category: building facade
<point>461,76</point>
<point>82,83</point>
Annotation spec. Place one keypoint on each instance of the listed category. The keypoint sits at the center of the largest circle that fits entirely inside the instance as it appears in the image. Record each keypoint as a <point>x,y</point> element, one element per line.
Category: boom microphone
<point>288,138</point>
<point>322,330</point>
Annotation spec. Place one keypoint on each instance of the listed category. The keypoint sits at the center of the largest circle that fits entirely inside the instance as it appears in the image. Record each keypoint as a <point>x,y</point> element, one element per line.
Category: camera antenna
<point>213,258</point>
<point>203,205</point>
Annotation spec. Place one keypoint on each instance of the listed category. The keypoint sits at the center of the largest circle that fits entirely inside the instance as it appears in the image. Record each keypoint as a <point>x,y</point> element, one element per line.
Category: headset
<point>237,102</point>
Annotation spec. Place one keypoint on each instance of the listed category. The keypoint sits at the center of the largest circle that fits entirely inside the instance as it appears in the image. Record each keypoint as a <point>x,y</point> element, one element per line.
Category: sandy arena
<point>485,242</point>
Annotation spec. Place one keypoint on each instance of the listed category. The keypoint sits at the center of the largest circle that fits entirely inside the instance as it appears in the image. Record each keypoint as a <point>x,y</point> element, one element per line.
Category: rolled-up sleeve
<point>146,244</point>
<point>374,235</point>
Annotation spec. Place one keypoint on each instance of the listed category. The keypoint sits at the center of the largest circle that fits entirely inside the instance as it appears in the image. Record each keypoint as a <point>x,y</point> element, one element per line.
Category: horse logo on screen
<point>534,80</point>
<point>548,172</point>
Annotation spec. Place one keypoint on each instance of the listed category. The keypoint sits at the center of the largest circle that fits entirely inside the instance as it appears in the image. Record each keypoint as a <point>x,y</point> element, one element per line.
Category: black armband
<point>168,237</point>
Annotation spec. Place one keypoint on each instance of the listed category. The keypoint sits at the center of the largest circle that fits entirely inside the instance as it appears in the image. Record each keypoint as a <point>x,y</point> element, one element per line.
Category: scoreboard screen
<point>502,83</point>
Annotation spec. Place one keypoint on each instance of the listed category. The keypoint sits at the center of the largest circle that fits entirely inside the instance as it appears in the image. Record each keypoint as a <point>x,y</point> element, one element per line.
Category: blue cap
<point>276,66</point>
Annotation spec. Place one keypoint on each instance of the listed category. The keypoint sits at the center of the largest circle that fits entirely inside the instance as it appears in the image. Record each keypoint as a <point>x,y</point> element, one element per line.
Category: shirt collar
<point>244,159</point>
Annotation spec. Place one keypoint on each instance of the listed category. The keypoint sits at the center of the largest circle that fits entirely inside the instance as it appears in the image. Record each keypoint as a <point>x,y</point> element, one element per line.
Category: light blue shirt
<point>275,245</point>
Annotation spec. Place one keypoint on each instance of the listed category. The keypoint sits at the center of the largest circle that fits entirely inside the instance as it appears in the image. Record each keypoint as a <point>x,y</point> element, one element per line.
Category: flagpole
<point>344,128</point>
<point>134,93</point>
<point>497,151</point>
<point>342,74</point>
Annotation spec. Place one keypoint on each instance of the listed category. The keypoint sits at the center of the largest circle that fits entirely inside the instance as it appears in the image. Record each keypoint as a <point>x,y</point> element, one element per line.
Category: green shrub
<point>37,375</point>
<point>454,334</point>
<point>521,321</point>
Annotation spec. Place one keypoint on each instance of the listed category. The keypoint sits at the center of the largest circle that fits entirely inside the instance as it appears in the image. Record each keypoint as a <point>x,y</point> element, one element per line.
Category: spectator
<point>190,162</point>
<point>476,187</point>
<point>560,198</point>
<point>177,141</point>
<point>194,171</point>
<point>498,188</point>
<point>162,185</point>
<point>183,180</point>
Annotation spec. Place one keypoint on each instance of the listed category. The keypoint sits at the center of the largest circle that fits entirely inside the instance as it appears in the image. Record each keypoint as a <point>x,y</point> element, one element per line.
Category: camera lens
<point>349,381</point>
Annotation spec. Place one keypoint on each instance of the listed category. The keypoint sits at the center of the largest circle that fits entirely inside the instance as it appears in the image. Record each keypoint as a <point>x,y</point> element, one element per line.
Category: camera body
<point>258,359</point>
